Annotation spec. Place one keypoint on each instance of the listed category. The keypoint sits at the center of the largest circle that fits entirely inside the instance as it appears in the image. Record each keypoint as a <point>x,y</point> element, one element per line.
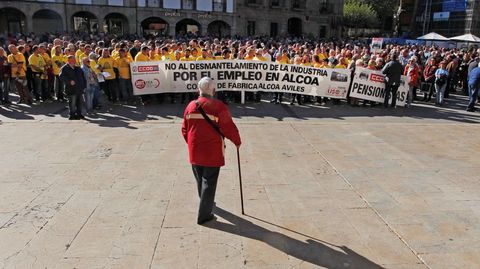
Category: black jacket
<point>393,71</point>
<point>69,74</point>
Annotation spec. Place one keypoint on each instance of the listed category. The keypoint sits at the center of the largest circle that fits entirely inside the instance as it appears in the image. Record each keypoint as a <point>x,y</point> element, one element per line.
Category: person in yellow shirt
<point>258,56</point>
<point>187,56</point>
<point>282,57</point>
<point>78,53</point>
<point>143,55</point>
<point>19,76</point>
<point>317,63</point>
<point>39,70</point>
<point>58,60</point>
<point>124,78</point>
<point>166,56</point>
<point>49,77</point>
<point>204,56</point>
<point>106,64</point>
<point>342,64</point>
<point>250,54</point>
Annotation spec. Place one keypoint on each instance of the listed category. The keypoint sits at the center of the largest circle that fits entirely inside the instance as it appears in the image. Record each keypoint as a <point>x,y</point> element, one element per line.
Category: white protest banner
<point>376,45</point>
<point>239,75</point>
<point>370,85</point>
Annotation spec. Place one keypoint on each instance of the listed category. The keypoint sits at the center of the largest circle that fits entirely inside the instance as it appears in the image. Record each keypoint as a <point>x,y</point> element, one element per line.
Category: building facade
<point>446,17</point>
<point>321,18</point>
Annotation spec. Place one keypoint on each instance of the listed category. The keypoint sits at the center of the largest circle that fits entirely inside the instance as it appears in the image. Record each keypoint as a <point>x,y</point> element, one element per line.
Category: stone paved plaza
<point>324,187</point>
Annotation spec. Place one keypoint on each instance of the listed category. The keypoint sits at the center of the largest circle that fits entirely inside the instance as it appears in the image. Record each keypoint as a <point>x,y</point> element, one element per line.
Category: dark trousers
<point>473,94</point>
<point>112,88</point>
<point>206,186</point>
<point>390,89</point>
<point>75,105</point>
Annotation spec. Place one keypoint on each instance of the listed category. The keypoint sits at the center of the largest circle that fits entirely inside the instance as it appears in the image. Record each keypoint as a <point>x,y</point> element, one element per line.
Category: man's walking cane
<point>240,177</point>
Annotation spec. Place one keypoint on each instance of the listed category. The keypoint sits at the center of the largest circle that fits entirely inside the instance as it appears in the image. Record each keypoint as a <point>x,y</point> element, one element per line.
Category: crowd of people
<point>91,71</point>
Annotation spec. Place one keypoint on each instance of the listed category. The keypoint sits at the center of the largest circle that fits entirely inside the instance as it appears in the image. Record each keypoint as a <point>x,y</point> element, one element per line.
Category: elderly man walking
<point>206,122</point>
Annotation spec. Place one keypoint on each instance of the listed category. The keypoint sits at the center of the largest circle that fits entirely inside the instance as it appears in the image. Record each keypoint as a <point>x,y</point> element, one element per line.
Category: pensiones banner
<point>370,85</point>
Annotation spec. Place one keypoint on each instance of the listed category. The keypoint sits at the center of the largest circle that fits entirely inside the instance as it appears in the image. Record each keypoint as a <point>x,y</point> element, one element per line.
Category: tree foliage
<point>357,13</point>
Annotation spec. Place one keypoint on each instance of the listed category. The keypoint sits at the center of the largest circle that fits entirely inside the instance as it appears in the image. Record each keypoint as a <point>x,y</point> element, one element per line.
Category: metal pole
<point>240,178</point>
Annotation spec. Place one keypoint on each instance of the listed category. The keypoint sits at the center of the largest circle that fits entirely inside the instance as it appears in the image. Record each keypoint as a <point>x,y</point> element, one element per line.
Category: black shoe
<point>210,218</point>
<point>471,109</point>
<point>80,117</point>
<point>72,118</point>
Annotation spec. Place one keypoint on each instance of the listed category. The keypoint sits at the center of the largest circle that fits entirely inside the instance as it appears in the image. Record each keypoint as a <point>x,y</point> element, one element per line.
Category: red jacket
<point>205,145</point>
<point>413,71</point>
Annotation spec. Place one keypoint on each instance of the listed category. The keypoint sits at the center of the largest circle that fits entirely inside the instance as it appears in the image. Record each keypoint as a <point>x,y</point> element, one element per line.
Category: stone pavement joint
<point>390,227</point>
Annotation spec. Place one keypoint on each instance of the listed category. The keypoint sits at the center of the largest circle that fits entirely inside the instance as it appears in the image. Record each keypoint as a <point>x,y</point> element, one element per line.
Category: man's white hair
<point>206,86</point>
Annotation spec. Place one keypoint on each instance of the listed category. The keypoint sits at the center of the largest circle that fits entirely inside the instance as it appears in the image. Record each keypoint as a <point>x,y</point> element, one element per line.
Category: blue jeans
<point>89,94</point>
<point>473,94</point>
<point>440,92</point>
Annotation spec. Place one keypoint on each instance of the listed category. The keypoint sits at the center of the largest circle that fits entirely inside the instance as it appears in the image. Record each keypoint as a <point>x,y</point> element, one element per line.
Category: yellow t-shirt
<point>340,66</point>
<point>107,64</point>
<point>185,59</point>
<point>201,58</point>
<point>94,67</point>
<point>47,58</point>
<point>167,57</point>
<point>78,54</point>
<point>157,57</point>
<point>115,54</point>
<point>123,65</point>
<point>283,60</point>
<point>37,63</point>
<point>57,63</point>
<point>14,60</point>
<point>141,58</point>
<point>260,58</point>
<point>248,58</point>
<point>322,56</point>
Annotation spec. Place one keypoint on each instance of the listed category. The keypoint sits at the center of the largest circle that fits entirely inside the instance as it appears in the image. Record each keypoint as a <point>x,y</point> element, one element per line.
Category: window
<point>298,3</point>
<point>324,6</point>
<point>141,3</point>
<point>250,28</point>
<point>252,2</point>
<point>83,2</point>
<point>188,4</point>
<point>273,29</point>
<point>115,2</point>
<point>153,3</point>
<point>323,31</point>
<point>275,3</point>
<point>173,4</point>
<point>219,5</point>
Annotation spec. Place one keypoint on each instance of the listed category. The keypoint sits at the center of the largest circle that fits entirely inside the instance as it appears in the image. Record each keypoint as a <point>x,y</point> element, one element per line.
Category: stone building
<point>171,17</point>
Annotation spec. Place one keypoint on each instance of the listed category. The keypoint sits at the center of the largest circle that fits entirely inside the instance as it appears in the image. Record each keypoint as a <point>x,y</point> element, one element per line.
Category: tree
<point>357,13</point>
<point>385,10</point>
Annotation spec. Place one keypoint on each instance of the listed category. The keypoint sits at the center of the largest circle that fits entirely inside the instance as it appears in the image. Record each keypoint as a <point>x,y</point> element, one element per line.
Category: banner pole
<point>240,179</point>
<point>243,97</point>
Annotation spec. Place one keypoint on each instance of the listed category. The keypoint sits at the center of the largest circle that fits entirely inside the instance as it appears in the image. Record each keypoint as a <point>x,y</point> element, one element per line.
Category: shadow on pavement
<point>312,251</point>
<point>114,116</point>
